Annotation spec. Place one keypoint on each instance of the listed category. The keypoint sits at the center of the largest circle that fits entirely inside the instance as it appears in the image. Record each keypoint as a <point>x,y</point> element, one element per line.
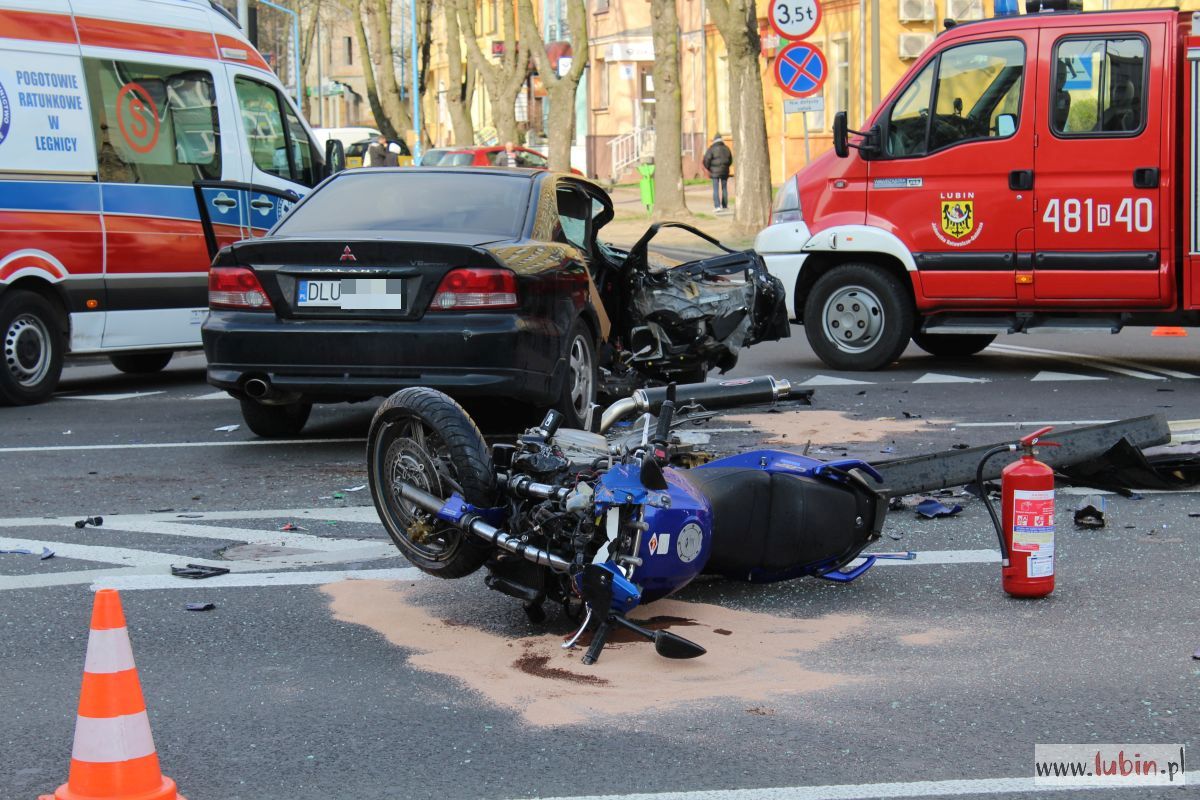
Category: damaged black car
<point>480,283</point>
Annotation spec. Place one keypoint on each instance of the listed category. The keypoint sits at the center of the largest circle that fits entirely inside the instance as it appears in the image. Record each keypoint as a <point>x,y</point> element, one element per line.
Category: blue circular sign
<point>5,114</point>
<point>800,69</point>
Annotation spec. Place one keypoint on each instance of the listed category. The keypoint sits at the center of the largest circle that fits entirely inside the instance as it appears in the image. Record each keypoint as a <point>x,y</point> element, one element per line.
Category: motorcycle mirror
<point>652,474</point>
<point>668,645</point>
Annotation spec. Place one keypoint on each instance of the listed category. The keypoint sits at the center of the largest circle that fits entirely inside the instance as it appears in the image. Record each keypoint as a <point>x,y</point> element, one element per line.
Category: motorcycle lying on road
<point>569,517</point>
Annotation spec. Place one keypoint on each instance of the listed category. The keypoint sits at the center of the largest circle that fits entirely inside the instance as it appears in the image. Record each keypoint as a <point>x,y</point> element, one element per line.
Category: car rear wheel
<point>579,385</point>
<point>274,421</point>
<point>952,345</point>
<point>141,362</point>
<point>32,341</point>
<point>421,437</point>
<point>858,317</point>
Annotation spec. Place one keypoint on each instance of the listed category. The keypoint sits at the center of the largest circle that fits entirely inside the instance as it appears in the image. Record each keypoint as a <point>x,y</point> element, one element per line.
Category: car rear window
<point>457,160</point>
<point>413,200</point>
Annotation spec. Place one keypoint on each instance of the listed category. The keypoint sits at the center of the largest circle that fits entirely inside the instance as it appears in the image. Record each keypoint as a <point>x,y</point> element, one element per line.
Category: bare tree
<point>461,79</point>
<point>737,22</point>
<point>502,81</point>
<point>379,20</point>
<point>382,120</point>
<point>669,200</point>
<point>560,90</point>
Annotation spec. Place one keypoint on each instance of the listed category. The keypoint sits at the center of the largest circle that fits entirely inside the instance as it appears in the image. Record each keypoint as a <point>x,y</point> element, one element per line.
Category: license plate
<point>352,294</point>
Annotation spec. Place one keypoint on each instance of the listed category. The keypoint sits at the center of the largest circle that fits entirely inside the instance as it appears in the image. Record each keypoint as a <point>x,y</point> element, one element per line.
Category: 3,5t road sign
<point>795,19</point>
<point>800,69</point>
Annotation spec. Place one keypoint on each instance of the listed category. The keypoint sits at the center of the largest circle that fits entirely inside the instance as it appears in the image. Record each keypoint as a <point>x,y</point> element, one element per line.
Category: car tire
<point>144,363</point>
<point>31,347</point>
<point>952,345</point>
<point>275,421</point>
<point>858,317</point>
<point>423,437</point>
<point>578,390</point>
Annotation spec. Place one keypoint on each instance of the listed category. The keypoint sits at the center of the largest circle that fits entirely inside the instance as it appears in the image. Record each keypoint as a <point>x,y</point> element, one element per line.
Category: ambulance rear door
<point>1102,222</point>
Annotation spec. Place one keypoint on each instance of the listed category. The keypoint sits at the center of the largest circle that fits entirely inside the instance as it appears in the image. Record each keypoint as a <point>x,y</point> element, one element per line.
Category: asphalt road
<point>301,686</point>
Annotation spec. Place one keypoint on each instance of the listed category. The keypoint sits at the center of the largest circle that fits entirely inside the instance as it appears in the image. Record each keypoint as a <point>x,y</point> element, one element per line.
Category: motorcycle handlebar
<point>728,393</point>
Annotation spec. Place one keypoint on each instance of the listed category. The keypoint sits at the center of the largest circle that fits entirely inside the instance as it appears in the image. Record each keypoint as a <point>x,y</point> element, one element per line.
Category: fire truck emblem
<point>958,218</point>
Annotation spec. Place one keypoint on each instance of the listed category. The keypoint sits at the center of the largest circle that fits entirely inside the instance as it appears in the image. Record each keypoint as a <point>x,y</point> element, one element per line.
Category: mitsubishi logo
<point>347,255</point>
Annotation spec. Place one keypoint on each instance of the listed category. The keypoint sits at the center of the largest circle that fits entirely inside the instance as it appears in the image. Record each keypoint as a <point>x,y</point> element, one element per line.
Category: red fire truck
<point>1031,172</point>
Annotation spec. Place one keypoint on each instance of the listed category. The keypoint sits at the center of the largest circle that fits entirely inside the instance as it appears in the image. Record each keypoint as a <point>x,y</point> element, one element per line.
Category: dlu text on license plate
<point>352,293</point>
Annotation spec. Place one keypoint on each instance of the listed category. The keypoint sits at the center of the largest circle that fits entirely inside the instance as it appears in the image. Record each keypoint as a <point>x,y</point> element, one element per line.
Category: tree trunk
<point>668,112</point>
<point>560,91</point>
<point>737,22</point>
<point>461,80</point>
<point>382,121</point>
<point>503,81</point>
<point>307,35</point>
<point>379,17</point>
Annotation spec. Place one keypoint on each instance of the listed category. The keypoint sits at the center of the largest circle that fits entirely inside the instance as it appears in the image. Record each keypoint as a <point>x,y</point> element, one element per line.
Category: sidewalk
<point>631,219</point>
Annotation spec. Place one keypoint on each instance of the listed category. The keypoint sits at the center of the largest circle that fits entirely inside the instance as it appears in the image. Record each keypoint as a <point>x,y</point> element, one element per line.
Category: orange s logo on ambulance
<point>958,218</point>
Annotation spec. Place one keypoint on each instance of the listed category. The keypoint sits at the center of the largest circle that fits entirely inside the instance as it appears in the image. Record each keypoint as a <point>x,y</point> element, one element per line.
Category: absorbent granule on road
<point>762,657</point>
<point>828,427</point>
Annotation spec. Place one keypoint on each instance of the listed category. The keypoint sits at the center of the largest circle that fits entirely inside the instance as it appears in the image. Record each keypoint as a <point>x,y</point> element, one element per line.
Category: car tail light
<point>236,287</point>
<point>466,289</point>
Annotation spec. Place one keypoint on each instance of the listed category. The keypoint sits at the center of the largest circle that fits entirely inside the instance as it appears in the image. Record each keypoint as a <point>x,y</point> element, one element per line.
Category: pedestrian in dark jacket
<point>717,160</point>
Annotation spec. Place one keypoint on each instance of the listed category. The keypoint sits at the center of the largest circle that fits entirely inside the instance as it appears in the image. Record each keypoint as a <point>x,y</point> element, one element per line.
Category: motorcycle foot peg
<point>514,589</point>
<point>598,640</point>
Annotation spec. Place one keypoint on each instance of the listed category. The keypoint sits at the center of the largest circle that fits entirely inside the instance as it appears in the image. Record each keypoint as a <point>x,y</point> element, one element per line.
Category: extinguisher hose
<point>983,494</point>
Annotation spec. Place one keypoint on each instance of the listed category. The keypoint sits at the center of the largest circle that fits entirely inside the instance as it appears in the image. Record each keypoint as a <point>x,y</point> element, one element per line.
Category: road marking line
<point>867,791</point>
<point>341,514</point>
<point>212,396</point>
<point>938,557</point>
<point>1065,376</point>
<point>1032,424</point>
<point>169,445</point>
<point>107,397</point>
<point>123,556</point>
<point>830,380</point>
<point>1120,366</point>
<point>935,377</point>
<point>252,579</point>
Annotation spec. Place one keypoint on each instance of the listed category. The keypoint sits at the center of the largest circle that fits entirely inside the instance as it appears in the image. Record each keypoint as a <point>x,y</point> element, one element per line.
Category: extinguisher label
<point>1041,566</point>
<point>1033,523</point>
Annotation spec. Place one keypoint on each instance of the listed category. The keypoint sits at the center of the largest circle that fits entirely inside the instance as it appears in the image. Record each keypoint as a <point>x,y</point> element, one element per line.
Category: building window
<point>599,6</point>
<point>492,16</point>
<point>478,18</point>
<point>602,70</point>
<point>349,45</point>
<point>723,124</point>
<point>841,75</point>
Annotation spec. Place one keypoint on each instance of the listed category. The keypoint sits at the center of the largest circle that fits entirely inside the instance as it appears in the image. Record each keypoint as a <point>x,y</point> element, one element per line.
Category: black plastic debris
<point>910,415</point>
<point>200,606</point>
<point>18,552</point>
<point>932,509</point>
<point>1090,513</point>
<point>1196,655</point>
<point>896,504</point>
<point>95,522</point>
<point>46,553</point>
<point>1124,467</point>
<point>198,571</point>
<point>960,446</point>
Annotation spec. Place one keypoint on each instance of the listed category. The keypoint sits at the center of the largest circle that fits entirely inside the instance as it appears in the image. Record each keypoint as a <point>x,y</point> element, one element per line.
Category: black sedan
<point>476,282</point>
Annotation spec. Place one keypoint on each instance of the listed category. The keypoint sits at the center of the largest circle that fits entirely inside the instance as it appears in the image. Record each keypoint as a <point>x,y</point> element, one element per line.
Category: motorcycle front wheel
<point>422,437</point>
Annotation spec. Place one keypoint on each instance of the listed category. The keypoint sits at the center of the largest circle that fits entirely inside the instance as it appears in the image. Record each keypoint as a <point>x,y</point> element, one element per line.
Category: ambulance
<point>1031,172</point>
<point>121,123</point>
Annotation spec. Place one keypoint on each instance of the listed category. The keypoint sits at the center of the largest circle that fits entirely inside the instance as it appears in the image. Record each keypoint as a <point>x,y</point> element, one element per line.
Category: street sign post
<point>800,69</point>
<point>795,19</point>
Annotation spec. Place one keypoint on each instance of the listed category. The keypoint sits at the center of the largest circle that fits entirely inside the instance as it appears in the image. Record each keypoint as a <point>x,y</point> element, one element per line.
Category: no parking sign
<point>800,69</point>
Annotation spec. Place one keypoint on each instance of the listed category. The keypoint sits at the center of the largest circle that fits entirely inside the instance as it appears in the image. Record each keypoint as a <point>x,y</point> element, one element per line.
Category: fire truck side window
<point>970,89</point>
<point>1099,87</point>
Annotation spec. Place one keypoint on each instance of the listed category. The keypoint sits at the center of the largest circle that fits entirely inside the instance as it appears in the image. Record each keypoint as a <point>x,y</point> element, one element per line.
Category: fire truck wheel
<point>858,317</point>
<point>31,335</point>
<point>952,345</point>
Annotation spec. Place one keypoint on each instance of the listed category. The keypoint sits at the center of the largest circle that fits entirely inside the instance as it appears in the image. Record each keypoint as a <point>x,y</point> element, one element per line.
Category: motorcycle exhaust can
<point>728,393</point>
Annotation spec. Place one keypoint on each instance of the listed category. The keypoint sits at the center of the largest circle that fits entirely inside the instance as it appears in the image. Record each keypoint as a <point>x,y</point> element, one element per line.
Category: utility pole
<point>416,89</point>
<point>243,14</point>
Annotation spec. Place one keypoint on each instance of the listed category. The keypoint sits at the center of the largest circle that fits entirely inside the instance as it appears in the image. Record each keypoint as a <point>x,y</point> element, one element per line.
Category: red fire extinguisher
<point>1026,530</point>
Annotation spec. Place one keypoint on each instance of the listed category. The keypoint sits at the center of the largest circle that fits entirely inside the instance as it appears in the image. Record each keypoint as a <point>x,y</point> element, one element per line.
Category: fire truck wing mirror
<point>869,146</point>
<point>1006,125</point>
<point>335,156</point>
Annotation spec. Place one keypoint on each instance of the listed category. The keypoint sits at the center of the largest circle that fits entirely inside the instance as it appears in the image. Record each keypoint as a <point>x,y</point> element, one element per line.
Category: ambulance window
<point>154,123</point>
<point>263,113</point>
<point>1099,87</point>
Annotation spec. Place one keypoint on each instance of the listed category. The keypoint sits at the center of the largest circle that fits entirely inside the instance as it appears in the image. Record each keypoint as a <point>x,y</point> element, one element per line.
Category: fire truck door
<point>952,140</point>
<point>1100,219</point>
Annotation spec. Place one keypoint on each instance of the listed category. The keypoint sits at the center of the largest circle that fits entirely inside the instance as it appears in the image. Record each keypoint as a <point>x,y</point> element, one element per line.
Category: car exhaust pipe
<point>473,523</point>
<point>728,393</point>
<point>257,389</point>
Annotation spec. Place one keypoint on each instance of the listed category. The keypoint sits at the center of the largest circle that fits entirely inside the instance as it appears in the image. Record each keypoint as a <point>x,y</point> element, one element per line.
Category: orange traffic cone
<point>113,757</point>
<point>1163,330</point>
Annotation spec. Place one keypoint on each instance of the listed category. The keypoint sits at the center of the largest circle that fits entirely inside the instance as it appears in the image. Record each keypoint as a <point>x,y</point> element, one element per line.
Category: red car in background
<point>492,156</point>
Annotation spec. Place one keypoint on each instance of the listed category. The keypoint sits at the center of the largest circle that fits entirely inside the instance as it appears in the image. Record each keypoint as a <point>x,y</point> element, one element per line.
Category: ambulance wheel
<point>952,345</point>
<point>141,362</point>
<point>858,317</point>
<point>31,334</point>
<point>272,422</point>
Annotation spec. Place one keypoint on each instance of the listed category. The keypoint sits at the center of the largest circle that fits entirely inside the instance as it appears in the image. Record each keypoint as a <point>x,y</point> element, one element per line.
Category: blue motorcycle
<point>600,527</point>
